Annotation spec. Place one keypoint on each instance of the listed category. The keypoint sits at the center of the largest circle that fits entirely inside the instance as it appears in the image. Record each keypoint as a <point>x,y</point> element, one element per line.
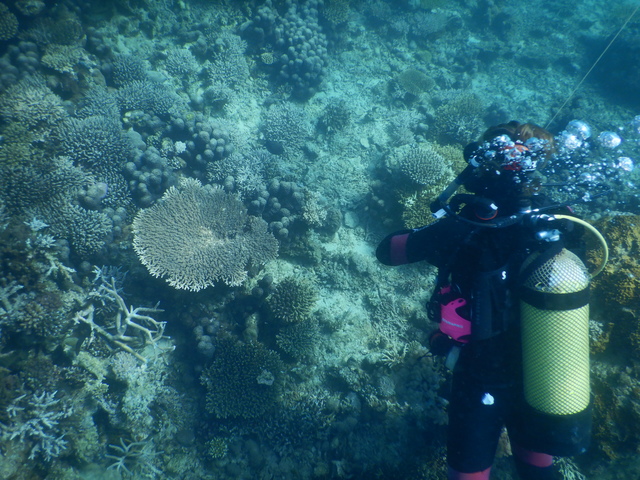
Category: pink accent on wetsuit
<point>398,249</point>
<point>536,459</point>
<point>452,323</point>
<point>455,475</point>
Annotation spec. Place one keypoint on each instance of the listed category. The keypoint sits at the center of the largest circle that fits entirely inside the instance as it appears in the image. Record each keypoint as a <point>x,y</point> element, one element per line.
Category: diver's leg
<point>475,422</point>
<point>533,465</point>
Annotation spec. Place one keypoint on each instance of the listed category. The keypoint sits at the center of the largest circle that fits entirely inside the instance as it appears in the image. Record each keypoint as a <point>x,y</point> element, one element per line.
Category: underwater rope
<point>592,66</point>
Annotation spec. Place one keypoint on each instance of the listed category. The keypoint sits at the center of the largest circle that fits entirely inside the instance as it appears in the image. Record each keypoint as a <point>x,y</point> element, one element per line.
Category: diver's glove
<point>443,345</point>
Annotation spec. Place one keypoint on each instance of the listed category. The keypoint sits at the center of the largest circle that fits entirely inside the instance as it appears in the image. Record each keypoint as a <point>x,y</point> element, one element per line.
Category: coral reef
<point>128,327</point>
<point>180,62</point>
<point>199,235</point>
<point>324,125</point>
<point>458,118</point>
<point>94,142</point>
<point>147,96</point>
<point>127,69</point>
<point>617,287</point>
<point>299,340</point>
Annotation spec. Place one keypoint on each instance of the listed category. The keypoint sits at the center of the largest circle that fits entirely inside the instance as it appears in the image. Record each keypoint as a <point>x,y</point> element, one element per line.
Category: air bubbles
<point>609,139</point>
<point>624,163</point>
<point>570,141</point>
<point>588,177</point>
<point>502,141</point>
<point>536,145</point>
<point>635,123</point>
<point>580,129</point>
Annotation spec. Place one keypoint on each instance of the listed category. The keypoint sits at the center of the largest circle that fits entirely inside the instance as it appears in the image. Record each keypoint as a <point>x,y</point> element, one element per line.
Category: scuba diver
<point>511,299</point>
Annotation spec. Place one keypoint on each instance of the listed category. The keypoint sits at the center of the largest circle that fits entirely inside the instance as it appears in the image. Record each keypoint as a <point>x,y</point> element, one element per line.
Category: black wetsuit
<point>487,380</point>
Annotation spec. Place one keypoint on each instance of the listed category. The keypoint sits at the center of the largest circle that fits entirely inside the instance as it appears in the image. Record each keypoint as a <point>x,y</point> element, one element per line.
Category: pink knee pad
<point>455,475</point>
<point>536,459</point>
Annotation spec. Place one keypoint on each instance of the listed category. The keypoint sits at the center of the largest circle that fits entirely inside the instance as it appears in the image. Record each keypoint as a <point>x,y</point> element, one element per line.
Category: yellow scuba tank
<point>554,315</point>
<point>554,306</point>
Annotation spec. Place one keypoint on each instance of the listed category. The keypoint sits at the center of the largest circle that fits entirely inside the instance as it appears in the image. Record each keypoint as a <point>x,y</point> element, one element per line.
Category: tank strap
<point>555,301</point>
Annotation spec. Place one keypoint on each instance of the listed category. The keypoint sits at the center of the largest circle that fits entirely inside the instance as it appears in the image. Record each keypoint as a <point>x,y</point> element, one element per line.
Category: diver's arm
<point>392,250</point>
<point>430,243</point>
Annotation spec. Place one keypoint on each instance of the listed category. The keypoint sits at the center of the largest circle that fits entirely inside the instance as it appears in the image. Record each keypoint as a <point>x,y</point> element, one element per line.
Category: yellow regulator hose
<point>597,234</point>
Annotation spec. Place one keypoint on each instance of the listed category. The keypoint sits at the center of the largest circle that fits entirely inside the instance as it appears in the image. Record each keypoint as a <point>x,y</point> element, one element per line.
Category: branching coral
<point>30,102</point>
<point>459,119</point>
<point>34,420</point>
<point>129,327</point>
<point>134,459</point>
<point>8,23</point>
<point>292,300</point>
<point>95,142</point>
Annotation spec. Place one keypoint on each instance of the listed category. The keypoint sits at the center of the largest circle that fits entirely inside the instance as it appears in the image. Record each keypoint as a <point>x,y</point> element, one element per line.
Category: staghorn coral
<point>35,422</point>
<point>17,148</point>
<point>131,326</point>
<point>26,187</point>
<point>336,11</point>
<point>86,230</point>
<point>196,236</point>
<point>247,172</point>
<point>65,30</point>
<point>181,62</point>
<point>292,300</point>
<point>98,101</point>
<point>336,116</point>
<point>64,58</point>
<point>134,459</point>
<point>244,380</point>
<point>229,66</point>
